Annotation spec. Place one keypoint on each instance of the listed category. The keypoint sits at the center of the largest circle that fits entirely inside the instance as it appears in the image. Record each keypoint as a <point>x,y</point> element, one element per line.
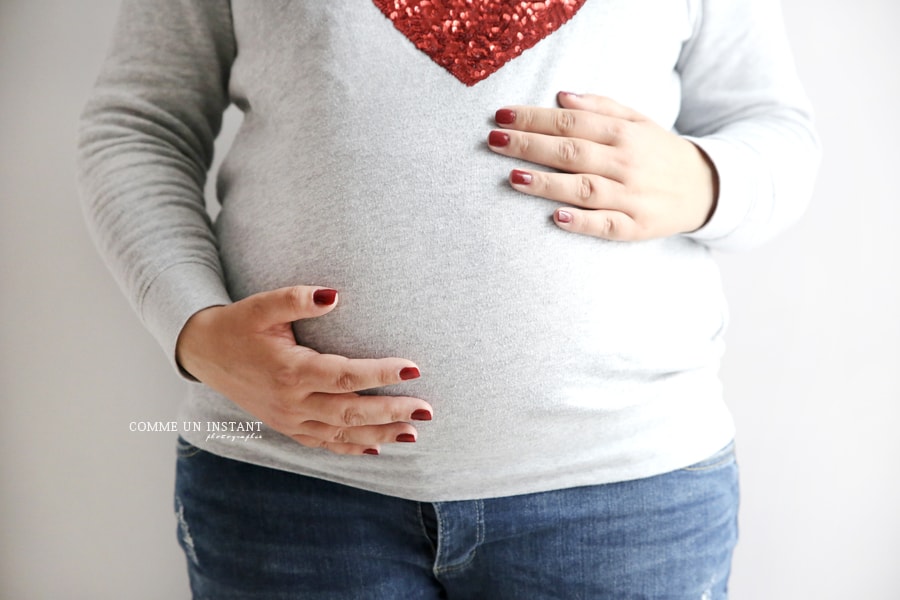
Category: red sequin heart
<point>474,38</point>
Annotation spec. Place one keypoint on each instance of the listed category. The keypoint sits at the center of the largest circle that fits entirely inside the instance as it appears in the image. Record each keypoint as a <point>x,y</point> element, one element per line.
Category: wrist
<point>708,183</point>
<point>191,338</point>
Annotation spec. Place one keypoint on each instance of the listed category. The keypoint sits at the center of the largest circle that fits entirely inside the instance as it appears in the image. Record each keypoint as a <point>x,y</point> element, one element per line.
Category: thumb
<point>284,305</point>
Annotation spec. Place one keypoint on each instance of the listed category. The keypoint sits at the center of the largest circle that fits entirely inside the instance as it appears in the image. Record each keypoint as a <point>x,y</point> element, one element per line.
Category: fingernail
<point>421,415</point>
<point>563,216</point>
<point>371,451</point>
<point>505,116</point>
<point>407,373</point>
<point>572,94</point>
<point>406,437</point>
<point>520,177</point>
<point>324,297</point>
<point>498,139</point>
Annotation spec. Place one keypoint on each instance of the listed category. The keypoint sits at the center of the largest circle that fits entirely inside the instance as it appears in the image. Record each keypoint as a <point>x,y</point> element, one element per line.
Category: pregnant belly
<point>489,302</point>
<point>536,347</point>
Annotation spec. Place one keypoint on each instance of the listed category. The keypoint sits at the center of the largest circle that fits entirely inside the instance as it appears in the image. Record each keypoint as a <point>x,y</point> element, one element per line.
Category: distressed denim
<point>250,532</point>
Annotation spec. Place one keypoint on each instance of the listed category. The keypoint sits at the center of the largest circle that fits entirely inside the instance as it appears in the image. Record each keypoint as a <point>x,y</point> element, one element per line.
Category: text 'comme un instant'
<point>225,430</point>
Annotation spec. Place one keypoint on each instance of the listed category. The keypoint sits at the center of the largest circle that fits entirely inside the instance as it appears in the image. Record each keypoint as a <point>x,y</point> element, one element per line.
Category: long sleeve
<point>743,105</point>
<point>555,360</point>
<point>145,145</point>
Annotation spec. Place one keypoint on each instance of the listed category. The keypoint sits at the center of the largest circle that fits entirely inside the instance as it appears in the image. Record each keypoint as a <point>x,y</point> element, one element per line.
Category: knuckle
<point>526,117</point>
<point>545,184</point>
<point>347,381</point>
<point>564,121</point>
<point>351,417</point>
<point>387,377</point>
<point>609,226</point>
<point>617,129</point>
<point>567,151</point>
<point>397,415</point>
<point>524,144</point>
<point>606,226</point>
<point>286,376</point>
<point>626,159</point>
<point>294,299</point>
<point>340,436</point>
<point>585,191</point>
<point>256,307</point>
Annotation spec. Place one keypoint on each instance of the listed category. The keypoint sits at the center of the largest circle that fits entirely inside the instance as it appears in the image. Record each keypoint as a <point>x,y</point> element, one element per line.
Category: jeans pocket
<point>722,458</point>
<point>185,449</point>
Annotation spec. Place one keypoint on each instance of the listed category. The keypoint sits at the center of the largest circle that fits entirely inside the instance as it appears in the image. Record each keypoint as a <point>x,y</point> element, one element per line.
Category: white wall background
<point>812,373</point>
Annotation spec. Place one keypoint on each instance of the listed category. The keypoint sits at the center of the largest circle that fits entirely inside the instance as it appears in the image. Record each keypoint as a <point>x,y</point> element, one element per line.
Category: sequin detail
<point>474,38</point>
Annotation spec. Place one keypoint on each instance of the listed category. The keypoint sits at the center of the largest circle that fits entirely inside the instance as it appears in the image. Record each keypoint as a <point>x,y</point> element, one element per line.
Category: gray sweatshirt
<point>551,359</point>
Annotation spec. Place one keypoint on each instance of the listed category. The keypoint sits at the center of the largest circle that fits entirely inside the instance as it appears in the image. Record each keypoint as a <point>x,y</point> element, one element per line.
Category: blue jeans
<point>249,532</point>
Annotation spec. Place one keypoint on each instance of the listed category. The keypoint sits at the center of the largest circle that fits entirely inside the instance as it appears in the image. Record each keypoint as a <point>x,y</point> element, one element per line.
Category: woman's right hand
<point>247,352</point>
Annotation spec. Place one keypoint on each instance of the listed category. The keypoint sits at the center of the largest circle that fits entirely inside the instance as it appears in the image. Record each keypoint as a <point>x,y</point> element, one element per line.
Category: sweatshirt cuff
<point>739,189</point>
<point>173,298</point>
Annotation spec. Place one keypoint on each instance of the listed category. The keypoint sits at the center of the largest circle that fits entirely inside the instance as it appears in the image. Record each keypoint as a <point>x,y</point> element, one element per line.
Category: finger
<point>366,435</point>
<point>338,374</point>
<point>288,304</point>
<point>599,128</point>
<point>337,448</point>
<point>572,155</point>
<point>600,105</point>
<point>606,224</point>
<point>586,191</point>
<point>353,410</point>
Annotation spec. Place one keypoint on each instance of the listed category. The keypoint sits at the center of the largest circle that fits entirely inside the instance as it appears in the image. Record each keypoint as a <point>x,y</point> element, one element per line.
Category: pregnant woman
<point>462,275</point>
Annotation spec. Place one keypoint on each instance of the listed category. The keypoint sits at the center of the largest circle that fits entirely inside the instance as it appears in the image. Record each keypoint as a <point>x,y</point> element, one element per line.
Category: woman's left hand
<point>623,176</point>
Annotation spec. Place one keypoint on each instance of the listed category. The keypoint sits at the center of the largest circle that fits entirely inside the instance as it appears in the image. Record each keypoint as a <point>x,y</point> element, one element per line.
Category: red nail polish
<point>324,297</point>
<point>371,451</point>
<point>406,437</point>
<point>498,139</point>
<point>520,177</point>
<point>505,116</point>
<point>421,415</point>
<point>563,216</point>
<point>407,373</point>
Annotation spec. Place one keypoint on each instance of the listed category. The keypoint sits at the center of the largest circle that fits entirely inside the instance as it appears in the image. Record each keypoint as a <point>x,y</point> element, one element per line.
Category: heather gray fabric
<point>552,359</point>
